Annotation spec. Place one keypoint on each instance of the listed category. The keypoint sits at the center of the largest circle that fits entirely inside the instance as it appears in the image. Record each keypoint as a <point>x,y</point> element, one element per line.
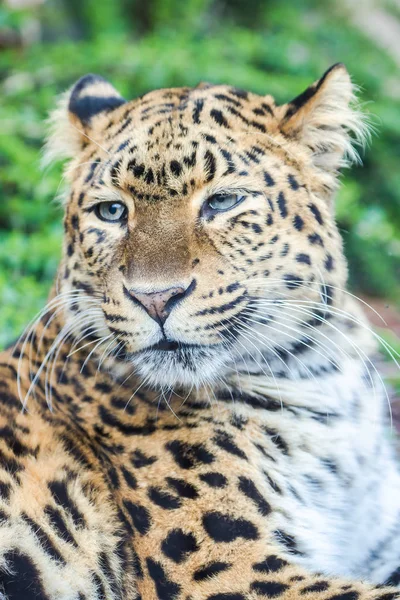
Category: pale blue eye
<point>111,211</point>
<point>221,202</point>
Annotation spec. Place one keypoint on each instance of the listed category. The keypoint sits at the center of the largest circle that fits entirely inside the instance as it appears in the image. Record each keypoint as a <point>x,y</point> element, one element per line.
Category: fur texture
<point>201,416</point>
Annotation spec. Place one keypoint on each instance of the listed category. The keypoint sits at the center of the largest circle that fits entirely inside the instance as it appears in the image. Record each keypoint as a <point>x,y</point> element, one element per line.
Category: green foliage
<point>279,48</point>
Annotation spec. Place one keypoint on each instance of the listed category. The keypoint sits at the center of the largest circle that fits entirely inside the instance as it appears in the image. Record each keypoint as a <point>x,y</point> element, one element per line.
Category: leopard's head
<point>199,221</point>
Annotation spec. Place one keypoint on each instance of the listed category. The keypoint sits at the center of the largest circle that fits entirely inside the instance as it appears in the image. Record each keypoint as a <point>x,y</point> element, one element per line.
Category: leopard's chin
<point>169,364</point>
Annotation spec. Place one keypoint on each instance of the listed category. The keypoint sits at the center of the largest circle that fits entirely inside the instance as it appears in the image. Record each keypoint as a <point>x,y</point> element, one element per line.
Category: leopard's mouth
<point>172,363</point>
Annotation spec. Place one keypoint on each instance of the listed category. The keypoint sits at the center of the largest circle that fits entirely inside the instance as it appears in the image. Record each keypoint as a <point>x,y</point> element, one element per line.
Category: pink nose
<point>158,305</point>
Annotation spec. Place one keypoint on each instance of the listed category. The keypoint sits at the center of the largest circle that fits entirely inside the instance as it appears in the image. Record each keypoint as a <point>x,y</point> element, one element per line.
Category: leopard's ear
<point>326,120</point>
<point>73,122</point>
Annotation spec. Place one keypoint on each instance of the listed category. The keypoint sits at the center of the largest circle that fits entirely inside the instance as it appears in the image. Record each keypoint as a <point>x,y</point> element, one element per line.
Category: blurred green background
<point>268,46</point>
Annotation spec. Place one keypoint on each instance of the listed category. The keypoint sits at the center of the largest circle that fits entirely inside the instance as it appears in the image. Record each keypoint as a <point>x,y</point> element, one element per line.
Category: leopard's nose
<point>159,304</point>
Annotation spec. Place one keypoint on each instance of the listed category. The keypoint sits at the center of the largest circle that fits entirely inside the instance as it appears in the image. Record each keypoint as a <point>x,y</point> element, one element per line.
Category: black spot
<point>327,294</point>
<point>62,498</point>
<point>111,420</point>
<point>210,165</point>
<point>57,522</point>
<point>225,441</point>
<point>175,167</point>
<point>178,545</point>
<point>285,249</point>
<point>277,439</point>
<point>248,488</point>
<point>346,596</point>
<point>44,540</point>
<point>273,484</point>
<point>21,581</point>
<point>214,479</point>
<point>183,488</point>
<point>315,211</point>
<point>226,596</point>
<point>75,222</point>
<point>282,205</point>
<point>303,258</point>
<point>270,589</point>
<point>394,578</point>
<point>129,478</point>
<point>5,489</point>
<point>138,170</point>
<point>163,499</point>
<point>219,117</point>
<point>315,239</point>
<point>210,570</point>
<point>298,222</point>
<point>166,589</point>
<point>225,528</point>
<point>256,228</point>
<point>294,184</point>
<point>318,586</point>
<point>329,263</point>
<point>140,516</point>
<point>271,564</point>
<point>188,455</point>
<point>287,540</point>
<point>139,459</point>
<point>198,107</point>
<point>292,281</point>
<point>232,287</point>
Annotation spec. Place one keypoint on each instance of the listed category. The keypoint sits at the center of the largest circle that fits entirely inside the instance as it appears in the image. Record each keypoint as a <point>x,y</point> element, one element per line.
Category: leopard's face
<point>200,225</point>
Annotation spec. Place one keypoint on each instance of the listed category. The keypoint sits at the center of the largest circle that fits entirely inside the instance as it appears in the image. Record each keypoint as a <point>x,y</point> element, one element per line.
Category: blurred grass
<point>279,48</point>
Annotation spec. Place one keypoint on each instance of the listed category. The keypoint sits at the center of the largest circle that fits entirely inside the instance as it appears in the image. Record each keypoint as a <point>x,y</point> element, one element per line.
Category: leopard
<point>196,413</point>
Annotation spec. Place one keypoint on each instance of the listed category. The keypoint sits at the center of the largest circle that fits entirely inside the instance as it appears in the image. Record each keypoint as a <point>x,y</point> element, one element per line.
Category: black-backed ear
<point>90,96</point>
<point>72,122</point>
<point>326,120</point>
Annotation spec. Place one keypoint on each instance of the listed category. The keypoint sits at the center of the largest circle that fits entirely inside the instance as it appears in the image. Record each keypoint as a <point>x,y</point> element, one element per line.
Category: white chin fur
<point>196,368</point>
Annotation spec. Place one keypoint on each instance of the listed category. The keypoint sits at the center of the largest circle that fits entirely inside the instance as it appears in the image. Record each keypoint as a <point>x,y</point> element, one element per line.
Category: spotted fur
<point>200,417</point>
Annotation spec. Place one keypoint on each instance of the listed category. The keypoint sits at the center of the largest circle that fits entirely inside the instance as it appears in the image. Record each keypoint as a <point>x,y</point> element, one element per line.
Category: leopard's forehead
<point>189,135</point>
<point>216,105</point>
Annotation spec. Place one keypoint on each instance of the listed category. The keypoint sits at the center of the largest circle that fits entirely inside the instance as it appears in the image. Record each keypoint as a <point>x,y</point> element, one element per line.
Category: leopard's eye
<point>222,202</point>
<point>111,211</point>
